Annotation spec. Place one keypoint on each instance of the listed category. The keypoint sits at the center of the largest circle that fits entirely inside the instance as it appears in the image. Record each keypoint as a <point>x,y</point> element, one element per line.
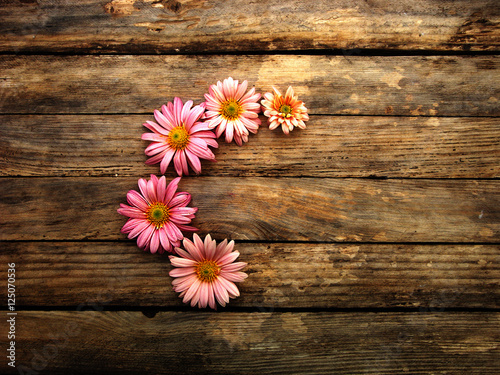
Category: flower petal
<point>220,292</point>
<point>182,262</point>
<point>234,276</point>
<point>229,286</point>
<point>182,271</point>
<point>192,249</point>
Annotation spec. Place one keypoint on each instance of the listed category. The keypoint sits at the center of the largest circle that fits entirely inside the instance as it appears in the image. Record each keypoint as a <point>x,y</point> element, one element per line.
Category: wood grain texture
<point>340,146</point>
<point>281,275</point>
<point>370,85</point>
<point>265,209</point>
<point>248,343</point>
<point>197,26</point>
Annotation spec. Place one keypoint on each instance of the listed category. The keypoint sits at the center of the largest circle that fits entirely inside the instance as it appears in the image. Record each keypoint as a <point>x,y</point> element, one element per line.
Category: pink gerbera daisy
<point>286,111</point>
<point>179,135</point>
<point>158,214</point>
<point>206,272</point>
<point>232,110</point>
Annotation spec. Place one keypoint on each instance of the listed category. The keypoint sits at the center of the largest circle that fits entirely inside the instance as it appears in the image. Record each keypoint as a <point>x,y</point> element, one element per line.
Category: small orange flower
<point>286,111</point>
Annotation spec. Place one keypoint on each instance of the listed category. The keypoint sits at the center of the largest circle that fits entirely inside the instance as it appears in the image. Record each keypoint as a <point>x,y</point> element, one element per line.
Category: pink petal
<point>229,286</point>
<point>194,161</point>
<point>155,148</point>
<point>193,116</point>
<point>179,219</point>
<point>182,271</point>
<point>165,243</point>
<point>167,112</point>
<point>161,188</point>
<point>171,189</point>
<point>234,267</point>
<point>131,224</point>
<point>143,187</point>
<point>139,228</point>
<point>220,293</point>
<point>186,109</point>
<point>184,254</point>
<point>214,122</point>
<point>137,200</point>
<point>155,128</point>
<point>209,246</point>
<point>165,161</point>
<point>162,120</point>
<point>181,284</point>
<point>229,132</point>
<point>155,242</point>
<point>173,233</point>
<point>212,143</point>
<point>156,159</point>
<point>187,228</point>
<point>192,293</point>
<point>234,276</point>
<point>223,249</point>
<point>193,250</point>
<point>199,245</point>
<point>269,96</point>
<point>184,162</point>
<point>203,291</point>
<point>182,262</point>
<point>228,258</point>
<point>221,128</point>
<point>211,297</point>
<point>200,126</point>
<point>238,139</point>
<point>132,212</point>
<point>178,163</point>
<point>241,90</point>
<point>177,110</point>
<point>180,199</point>
<point>145,237</point>
<point>151,191</point>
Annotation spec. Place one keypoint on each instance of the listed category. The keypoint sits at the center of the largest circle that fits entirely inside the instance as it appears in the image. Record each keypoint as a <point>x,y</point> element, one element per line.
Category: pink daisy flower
<point>179,135</point>
<point>286,111</point>
<point>231,110</point>
<point>157,215</point>
<point>206,272</point>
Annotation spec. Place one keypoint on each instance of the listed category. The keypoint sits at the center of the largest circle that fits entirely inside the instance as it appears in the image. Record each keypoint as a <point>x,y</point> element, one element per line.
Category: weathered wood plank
<point>394,85</point>
<point>274,209</point>
<point>128,342</point>
<point>280,275</point>
<point>217,26</point>
<point>340,146</point>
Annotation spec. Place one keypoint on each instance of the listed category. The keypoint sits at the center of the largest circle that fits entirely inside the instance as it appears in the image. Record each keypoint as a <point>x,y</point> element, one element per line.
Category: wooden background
<point>372,236</point>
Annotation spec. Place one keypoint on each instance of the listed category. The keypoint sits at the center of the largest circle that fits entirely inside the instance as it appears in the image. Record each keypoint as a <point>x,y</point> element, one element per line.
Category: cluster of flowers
<point>158,215</point>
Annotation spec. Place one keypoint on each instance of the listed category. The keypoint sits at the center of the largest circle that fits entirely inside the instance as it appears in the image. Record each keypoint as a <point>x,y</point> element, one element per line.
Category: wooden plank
<point>340,146</point>
<point>196,26</point>
<point>128,342</point>
<point>280,275</point>
<point>265,209</point>
<point>376,85</point>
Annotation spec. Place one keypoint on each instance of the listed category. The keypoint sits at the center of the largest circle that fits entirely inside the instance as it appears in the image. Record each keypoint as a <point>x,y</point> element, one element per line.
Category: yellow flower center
<point>231,110</point>
<point>178,138</point>
<point>285,110</point>
<point>157,214</point>
<point>207,270</point>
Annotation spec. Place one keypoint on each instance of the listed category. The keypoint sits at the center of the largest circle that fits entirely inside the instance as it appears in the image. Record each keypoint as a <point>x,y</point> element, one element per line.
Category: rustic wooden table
<point>371,236</point>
